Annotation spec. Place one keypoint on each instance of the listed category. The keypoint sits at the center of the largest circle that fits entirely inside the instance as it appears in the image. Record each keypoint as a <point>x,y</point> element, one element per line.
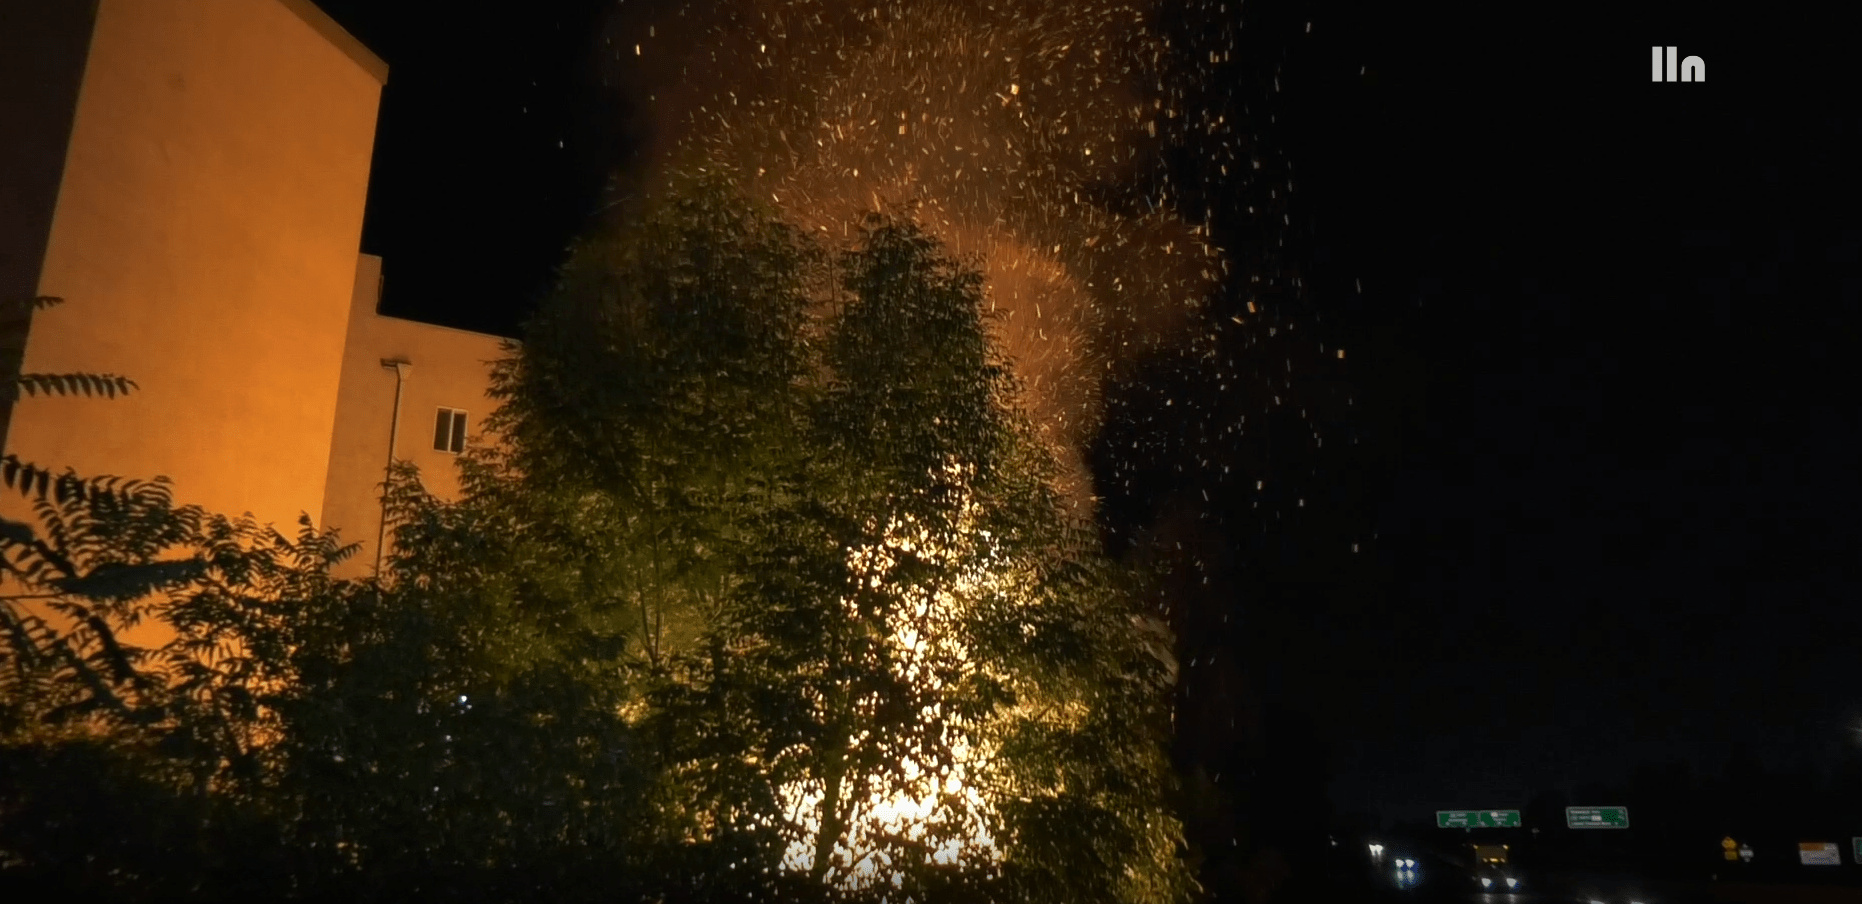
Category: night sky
<point>1599,337</point>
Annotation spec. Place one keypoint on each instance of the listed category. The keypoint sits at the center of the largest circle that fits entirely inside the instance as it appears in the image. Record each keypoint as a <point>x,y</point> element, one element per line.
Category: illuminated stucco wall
<point>205,238</point>
<point>447,368</point>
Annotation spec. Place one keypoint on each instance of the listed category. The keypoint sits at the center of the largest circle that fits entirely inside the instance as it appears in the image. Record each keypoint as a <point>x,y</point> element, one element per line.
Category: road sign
<point>1819,853</point>
<point>1597,817</point>
<point>1477,819</point>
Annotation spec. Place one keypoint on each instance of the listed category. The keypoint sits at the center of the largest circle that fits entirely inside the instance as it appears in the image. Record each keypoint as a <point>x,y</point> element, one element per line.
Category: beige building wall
<point>204,238</point>
<point>442,368</point>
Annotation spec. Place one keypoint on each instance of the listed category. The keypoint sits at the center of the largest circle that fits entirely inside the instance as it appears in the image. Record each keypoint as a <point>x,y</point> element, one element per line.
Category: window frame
<point>453,422</point>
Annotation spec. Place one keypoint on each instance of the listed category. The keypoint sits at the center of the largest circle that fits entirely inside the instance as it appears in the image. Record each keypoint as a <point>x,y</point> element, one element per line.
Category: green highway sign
<point>1477,819</point>
<point>1597,817</point>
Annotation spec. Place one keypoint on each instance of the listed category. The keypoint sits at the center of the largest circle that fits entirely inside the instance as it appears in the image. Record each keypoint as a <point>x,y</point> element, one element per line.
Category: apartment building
<point>190,176</point>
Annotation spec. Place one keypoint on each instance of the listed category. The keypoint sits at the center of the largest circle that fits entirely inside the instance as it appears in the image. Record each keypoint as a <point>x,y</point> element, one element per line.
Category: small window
<point>449,430</point>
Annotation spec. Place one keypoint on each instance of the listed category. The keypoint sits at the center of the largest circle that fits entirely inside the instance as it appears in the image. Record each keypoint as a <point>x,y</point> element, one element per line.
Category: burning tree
<point>875,656</point>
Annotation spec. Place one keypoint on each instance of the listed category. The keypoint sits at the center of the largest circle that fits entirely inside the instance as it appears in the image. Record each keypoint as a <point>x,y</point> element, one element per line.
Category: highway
<point>1348,873</point>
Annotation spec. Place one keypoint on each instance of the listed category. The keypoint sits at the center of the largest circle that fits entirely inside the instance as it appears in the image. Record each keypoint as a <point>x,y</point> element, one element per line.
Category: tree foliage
<point>26,477</point>
<point>764,594</point>
<point>871,649</point>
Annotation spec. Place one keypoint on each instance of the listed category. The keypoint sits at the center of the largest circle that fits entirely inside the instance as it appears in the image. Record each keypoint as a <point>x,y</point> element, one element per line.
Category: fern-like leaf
<point>22,635</point>
<point>35,481</point>
<point>28,478</point>
<point>32,559</point>
<point>93,385</point>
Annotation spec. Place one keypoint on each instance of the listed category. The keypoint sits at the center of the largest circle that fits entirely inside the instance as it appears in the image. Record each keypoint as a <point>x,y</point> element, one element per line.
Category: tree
<point>121,765</point>
<point>870,644</point>
<point>449,736</point>
<point>766,593</point>
<point>355,738</point>
<point>23,475</point>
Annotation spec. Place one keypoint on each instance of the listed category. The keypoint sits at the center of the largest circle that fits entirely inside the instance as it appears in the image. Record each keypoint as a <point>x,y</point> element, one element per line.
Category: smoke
<point>1027,135</point>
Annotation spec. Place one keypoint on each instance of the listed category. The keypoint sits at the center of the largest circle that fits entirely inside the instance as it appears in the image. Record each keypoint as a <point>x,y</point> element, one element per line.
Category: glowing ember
<point>1015,131</point>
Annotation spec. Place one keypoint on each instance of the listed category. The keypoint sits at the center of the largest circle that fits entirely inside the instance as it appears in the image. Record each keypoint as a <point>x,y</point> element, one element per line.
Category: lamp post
<point>401,369</point>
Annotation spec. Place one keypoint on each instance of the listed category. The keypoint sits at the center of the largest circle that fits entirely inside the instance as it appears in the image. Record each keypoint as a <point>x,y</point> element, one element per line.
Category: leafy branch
<point>72,384</point>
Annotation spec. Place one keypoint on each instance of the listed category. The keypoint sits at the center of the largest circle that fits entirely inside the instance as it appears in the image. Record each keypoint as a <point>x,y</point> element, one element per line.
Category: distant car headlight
<point>1512,882</point>
<point>1485,881</point>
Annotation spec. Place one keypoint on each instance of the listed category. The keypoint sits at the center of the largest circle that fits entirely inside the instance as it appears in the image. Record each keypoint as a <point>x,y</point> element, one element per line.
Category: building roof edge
<point>334,32</point>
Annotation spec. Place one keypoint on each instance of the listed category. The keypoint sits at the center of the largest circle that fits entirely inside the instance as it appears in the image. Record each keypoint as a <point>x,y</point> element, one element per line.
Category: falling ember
<point>1028,138</point>
<point>1019,134</point>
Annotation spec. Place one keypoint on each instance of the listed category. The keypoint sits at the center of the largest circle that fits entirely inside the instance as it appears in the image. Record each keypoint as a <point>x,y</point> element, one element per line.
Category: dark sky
<point>1600,337</point>
<point>1618,529</point>
<point>495,141</point>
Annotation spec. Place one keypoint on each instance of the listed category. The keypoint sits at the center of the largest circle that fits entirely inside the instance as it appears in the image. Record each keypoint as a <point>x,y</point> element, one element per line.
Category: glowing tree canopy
<point>876,652</point>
